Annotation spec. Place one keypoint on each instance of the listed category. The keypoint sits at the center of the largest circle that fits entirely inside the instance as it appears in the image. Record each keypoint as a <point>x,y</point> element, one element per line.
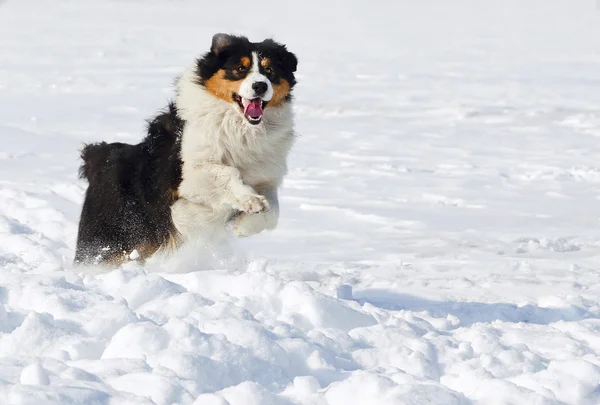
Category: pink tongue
<point>254,109</point>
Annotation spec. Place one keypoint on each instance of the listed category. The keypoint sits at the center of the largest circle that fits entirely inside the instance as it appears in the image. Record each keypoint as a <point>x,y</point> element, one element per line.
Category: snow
<point>34,375</point>
<point>438,242</point>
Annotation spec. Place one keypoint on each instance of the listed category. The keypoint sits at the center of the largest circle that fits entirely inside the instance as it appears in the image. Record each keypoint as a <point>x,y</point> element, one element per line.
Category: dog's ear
<point>290,61</point>
<point>220,42</point>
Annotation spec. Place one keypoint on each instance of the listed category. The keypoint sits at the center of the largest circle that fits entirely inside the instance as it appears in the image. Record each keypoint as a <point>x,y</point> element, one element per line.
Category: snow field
<point>439,233</point>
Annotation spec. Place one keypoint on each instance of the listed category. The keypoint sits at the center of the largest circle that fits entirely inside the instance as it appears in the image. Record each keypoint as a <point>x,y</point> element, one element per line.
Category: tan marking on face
<point>265,62</point>
<point>246,61</point>
<point>221,87</point>
<point>279,92</point>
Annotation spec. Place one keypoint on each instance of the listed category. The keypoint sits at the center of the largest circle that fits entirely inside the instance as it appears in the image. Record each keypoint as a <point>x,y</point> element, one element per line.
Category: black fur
<point>131,189</point>
<point>229,49</point>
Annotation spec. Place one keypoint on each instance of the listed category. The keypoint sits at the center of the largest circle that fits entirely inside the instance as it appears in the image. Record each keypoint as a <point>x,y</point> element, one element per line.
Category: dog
<point>212,160</point>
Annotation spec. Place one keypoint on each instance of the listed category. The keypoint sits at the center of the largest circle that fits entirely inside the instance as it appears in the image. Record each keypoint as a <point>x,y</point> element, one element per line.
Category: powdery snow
<point>439,234</point>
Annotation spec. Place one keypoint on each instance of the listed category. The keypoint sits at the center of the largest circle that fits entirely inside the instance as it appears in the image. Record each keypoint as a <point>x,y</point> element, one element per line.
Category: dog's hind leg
<point>195,221</point>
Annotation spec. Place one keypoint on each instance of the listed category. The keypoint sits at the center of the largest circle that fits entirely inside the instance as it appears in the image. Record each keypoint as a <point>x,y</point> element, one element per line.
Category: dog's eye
<point>241,68</point>
<point>268,70</point>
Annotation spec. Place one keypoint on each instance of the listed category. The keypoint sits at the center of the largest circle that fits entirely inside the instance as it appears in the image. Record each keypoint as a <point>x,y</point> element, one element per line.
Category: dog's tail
<point>93,156</point>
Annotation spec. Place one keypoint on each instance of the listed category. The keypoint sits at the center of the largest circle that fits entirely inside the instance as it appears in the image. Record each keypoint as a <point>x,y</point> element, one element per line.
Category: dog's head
<point>251,76</point>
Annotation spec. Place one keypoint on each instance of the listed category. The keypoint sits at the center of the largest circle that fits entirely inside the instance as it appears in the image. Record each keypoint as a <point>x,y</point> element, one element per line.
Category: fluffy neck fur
<point>216,131</point>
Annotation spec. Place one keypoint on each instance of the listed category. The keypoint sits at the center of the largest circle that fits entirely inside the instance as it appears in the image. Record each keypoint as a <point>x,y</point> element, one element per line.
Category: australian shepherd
<point>213,158</point>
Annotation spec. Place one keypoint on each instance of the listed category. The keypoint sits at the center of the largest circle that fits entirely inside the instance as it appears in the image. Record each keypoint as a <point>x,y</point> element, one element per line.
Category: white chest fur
<point>225,158</point>
<point>216,132</point>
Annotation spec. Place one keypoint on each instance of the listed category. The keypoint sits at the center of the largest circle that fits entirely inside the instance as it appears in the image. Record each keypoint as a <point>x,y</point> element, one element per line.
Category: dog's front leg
<point>251,224</point>
<point>220,187</point>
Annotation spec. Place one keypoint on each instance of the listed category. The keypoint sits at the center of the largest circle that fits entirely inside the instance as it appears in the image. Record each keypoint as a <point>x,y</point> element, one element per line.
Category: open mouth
<point>253,109</point>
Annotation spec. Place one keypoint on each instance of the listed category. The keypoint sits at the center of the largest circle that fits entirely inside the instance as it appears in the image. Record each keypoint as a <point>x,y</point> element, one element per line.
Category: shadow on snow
<point>472,312</point>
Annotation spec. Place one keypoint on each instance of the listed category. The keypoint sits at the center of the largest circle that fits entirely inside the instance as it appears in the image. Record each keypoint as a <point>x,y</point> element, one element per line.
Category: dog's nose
<point>259,88</point>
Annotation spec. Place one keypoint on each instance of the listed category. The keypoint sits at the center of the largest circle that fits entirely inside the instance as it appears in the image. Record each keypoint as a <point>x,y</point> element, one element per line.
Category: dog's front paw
<point>250,224</point>
<point>253,204</point>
